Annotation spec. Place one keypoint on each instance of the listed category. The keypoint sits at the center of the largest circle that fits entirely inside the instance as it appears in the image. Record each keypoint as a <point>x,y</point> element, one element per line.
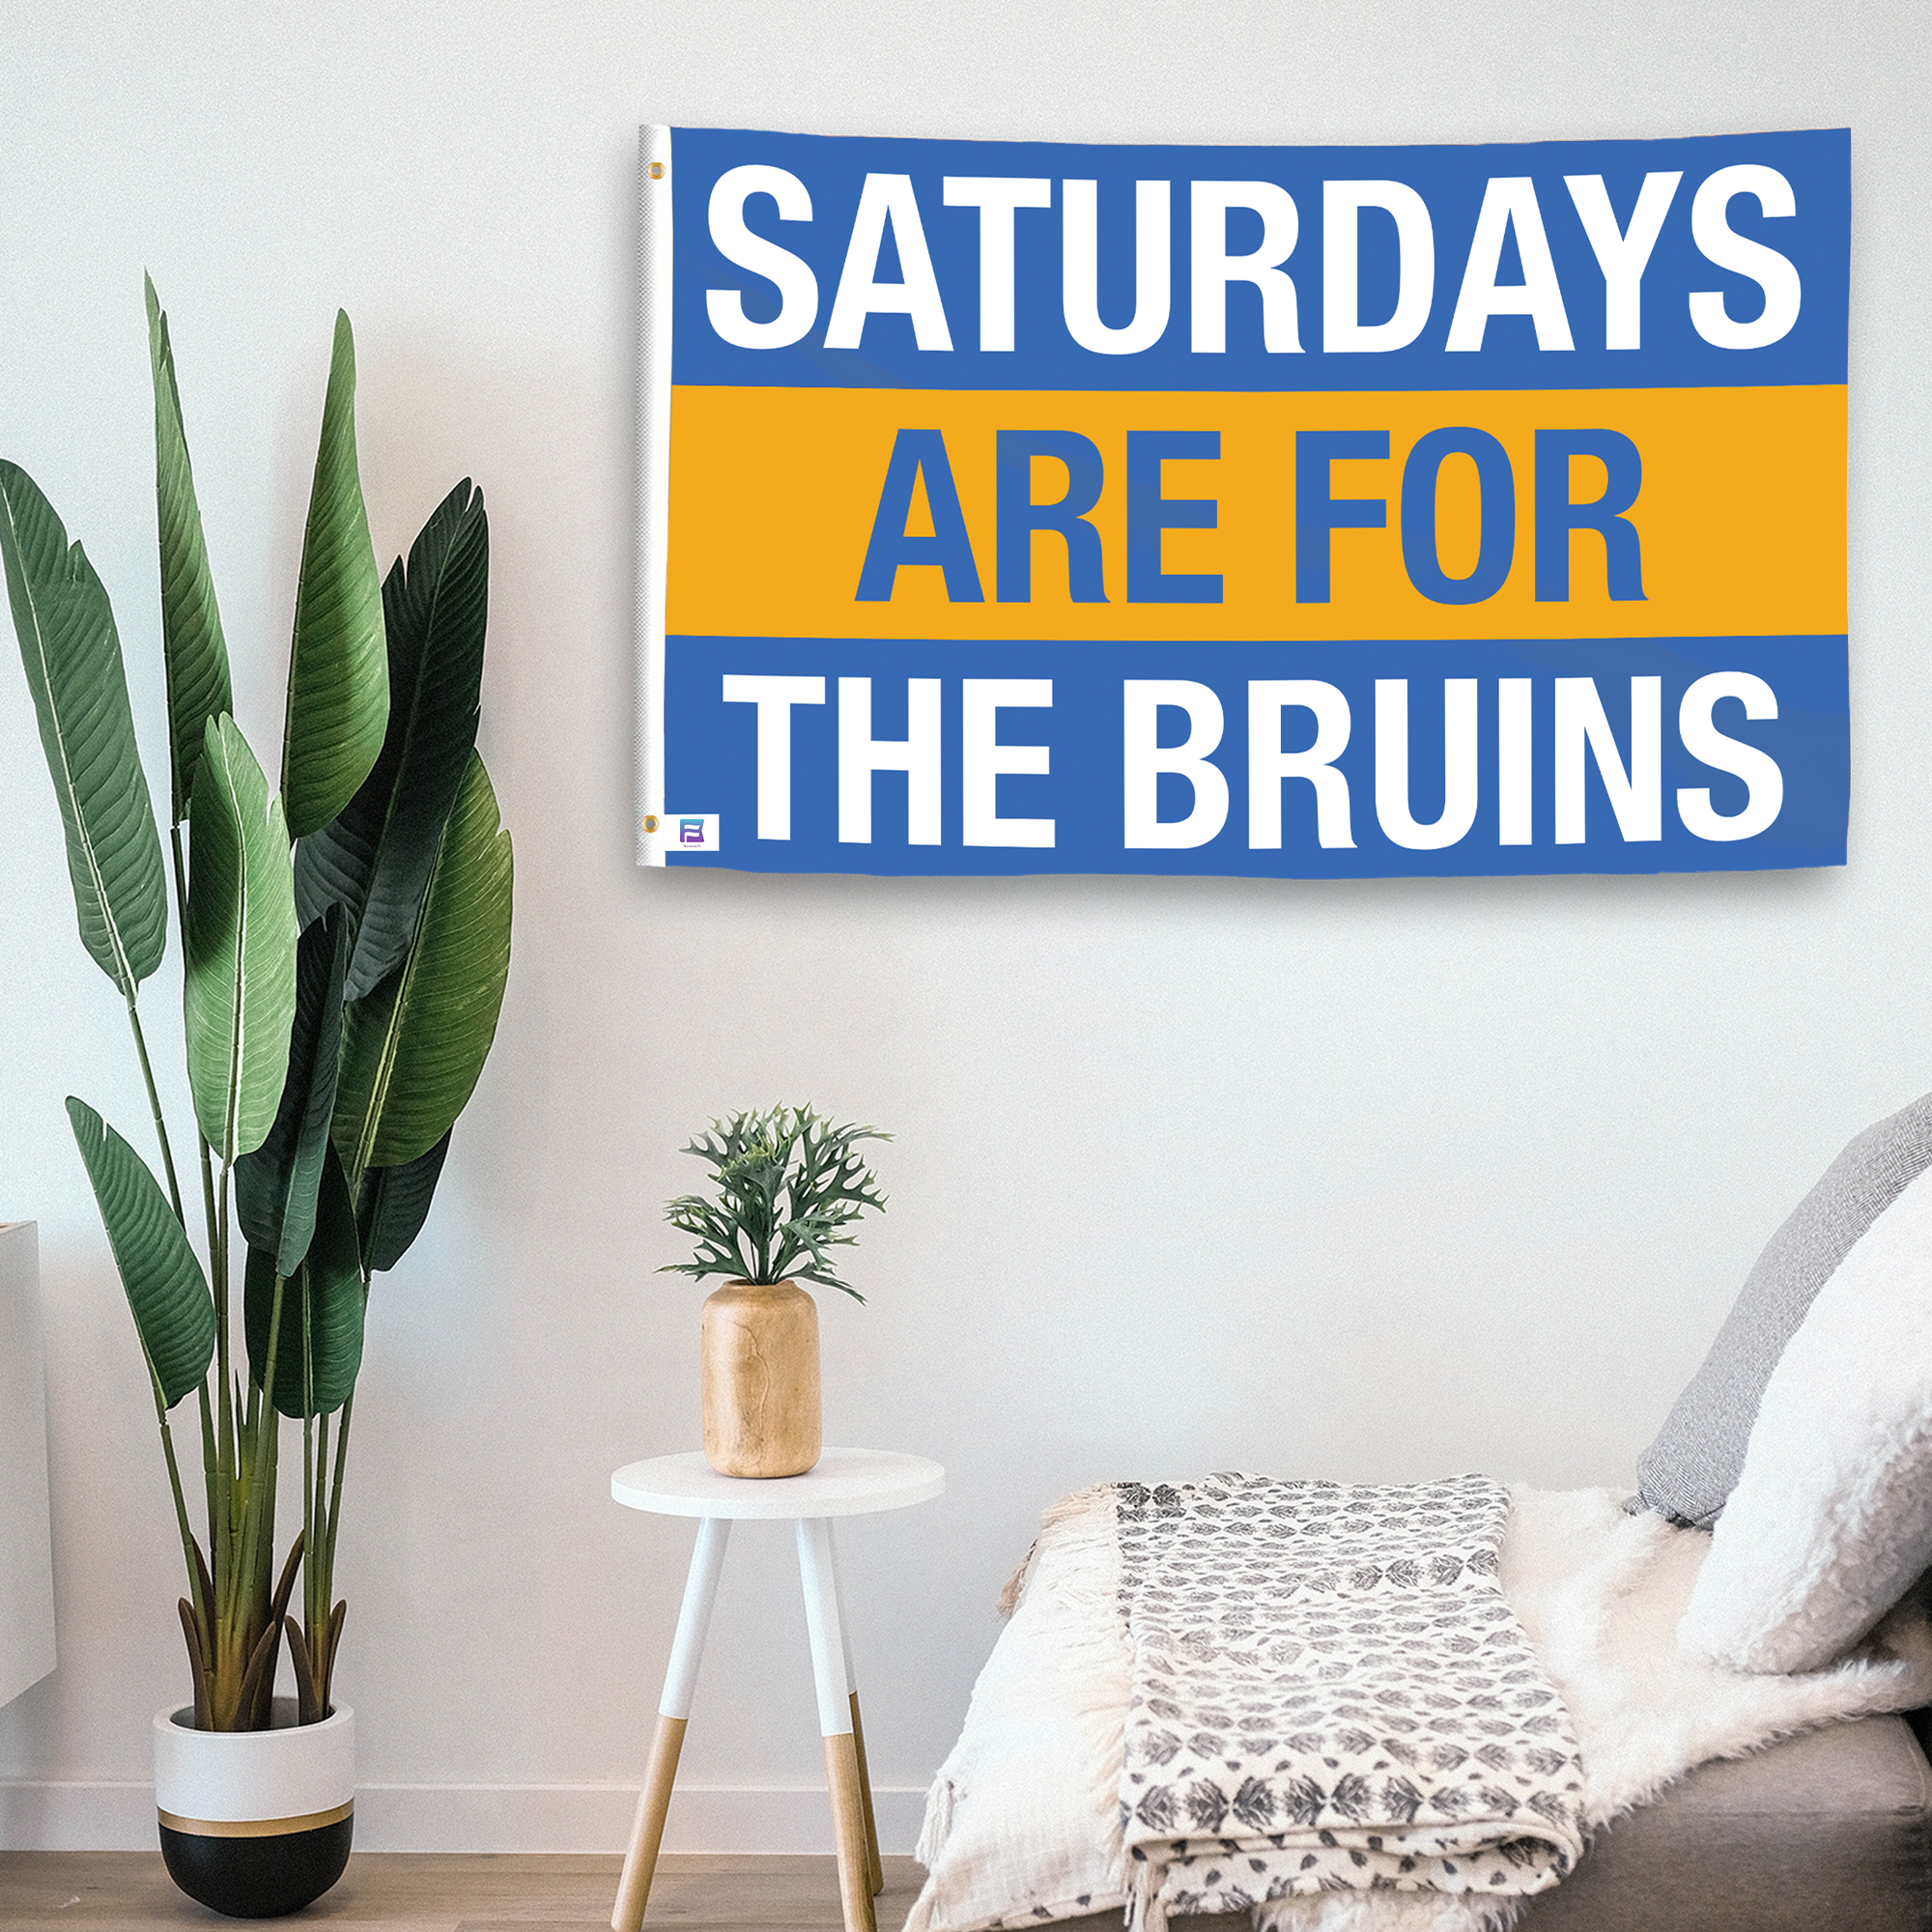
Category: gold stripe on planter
<point>256,1827</point>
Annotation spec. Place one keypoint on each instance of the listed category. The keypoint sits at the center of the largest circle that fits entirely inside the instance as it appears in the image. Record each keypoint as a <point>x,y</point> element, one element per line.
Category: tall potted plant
<point>346,939</point>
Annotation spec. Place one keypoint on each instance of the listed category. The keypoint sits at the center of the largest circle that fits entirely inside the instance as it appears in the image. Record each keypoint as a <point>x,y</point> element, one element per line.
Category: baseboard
<point>37,1816</point>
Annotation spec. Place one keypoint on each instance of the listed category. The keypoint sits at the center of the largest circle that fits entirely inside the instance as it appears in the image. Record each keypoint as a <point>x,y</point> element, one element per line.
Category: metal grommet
<point>650,821</point>
<point>657,171</point>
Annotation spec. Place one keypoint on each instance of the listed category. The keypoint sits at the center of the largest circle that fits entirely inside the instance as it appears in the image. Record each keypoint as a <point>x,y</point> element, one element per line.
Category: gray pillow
<point>1689,1472</point>
<point>1831,1519</point>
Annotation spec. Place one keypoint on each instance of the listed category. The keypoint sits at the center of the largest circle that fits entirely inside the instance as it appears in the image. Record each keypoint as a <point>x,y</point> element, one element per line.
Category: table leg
<point>700,1591</point>
<point>877,1864</point>
<point>818,1578</point>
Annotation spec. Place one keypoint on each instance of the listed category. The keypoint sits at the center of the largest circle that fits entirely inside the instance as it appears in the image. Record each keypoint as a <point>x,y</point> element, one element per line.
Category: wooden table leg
<point>878,1866</point>
<point>818,1580</point>
<point>700,1591</point>
<point>875,1863</point>
<point>641,1861</point>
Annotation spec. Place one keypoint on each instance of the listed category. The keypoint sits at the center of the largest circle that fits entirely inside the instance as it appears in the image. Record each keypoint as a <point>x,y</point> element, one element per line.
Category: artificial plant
<point>345,940</point>
<point>790,1188</point>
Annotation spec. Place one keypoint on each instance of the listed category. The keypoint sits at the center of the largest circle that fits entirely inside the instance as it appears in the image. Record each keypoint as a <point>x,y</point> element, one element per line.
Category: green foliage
<point>71,652</point>
<point>338,707</point>
<point>413,1050</point>
<point>276,1186</point>
<point>375,860</point>
<point>789,1188</point>
<point>391,996</point>
<point>319,1339</point>
<point>165,1286</point>
<point>192,647</point>
<point>393,1204</point>
<point>238,986</point>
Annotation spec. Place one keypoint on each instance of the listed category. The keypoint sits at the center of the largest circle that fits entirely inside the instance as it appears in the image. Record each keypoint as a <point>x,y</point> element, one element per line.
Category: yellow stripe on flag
<point>1741,515</point>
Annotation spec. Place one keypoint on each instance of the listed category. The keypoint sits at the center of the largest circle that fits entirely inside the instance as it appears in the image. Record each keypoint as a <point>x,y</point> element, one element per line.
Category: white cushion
<point>1830,1521</point>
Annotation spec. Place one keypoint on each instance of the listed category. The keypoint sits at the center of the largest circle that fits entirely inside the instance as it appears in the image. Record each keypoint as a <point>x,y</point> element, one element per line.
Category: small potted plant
<point>790,1187</point>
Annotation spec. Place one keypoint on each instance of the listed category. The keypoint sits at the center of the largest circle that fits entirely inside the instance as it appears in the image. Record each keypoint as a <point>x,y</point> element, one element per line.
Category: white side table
<point>846,1482</point>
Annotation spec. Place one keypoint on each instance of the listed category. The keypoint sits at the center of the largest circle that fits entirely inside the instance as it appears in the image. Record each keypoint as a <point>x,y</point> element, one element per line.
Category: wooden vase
<point>760,1351</point>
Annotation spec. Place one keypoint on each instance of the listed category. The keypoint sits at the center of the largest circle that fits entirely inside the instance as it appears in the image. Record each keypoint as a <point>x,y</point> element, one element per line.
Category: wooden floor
<point>103,1891</point>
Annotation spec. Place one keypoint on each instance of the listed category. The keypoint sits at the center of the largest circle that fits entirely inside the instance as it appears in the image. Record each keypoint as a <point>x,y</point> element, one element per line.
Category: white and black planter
<point>256,1824</point>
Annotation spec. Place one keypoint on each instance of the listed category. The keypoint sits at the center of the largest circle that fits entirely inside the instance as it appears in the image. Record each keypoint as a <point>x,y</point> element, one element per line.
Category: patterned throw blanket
<point>1329,1692</point>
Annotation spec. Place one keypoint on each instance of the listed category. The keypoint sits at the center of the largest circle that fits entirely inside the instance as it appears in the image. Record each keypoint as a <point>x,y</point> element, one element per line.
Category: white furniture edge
<point>27,1651</point>
<point>846,1482</point>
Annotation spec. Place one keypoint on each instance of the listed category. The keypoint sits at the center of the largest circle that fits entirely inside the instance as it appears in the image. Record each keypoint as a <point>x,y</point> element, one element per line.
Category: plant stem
<point>211,1477</point>
<point>201,1607</point>
<point>154,1107</point>
<point>321,1468</point>
<point>334,1517</point>
<point>308,1473</point>
<point>225,1453</point>
<point>331,1521</point>
<point>209,1216</point>
<point>308,1524</point>
<point>261,1488</point>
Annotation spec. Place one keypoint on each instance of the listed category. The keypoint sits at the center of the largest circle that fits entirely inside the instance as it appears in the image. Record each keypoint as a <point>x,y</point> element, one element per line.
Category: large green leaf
<point>413,1050</point>
<point>394,1203</point>
<point>275,1185</point>
<point>376,857</point>
<point>192,647</point>
<point>73,656</point>
<point>239,985</point>
<point>338,666</point>
<point>324,1295</point>
<point>174,1314</point>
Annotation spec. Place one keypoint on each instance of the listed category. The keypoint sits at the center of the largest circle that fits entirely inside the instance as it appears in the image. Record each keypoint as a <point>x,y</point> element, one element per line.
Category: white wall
<point>1371,1180</point>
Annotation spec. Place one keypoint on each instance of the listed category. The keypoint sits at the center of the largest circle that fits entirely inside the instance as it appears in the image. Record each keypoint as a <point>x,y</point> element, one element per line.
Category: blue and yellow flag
<point>1316,512</point>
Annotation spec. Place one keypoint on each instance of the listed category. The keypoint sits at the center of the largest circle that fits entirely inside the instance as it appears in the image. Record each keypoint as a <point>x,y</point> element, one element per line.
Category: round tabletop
<point>845,1482</point>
